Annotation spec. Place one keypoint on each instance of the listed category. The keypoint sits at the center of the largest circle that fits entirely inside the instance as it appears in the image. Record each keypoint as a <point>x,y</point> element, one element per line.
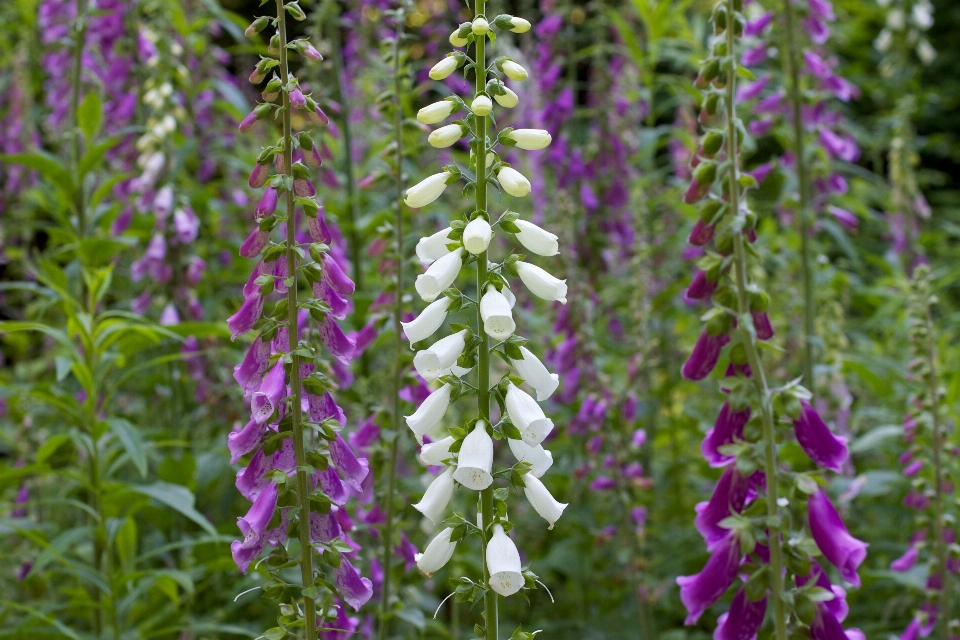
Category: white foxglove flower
<point>530,139</point>
<point>503,563</point>
<point>511,299</point>
<point>519,25</point>
<point>541,500</point>
<point>435,453</point>
<point>542,284</point>
<point>427,190</point>
<point>537,240</point>
<point>510,69</point>
<point>513,182</point>
<point>436,112</point>
<point>437,496</point>
<point>480,26</point>
<point>456,40</point>
<point>476,459</point>
<point>477,235</point>
<point>534,373</point>
<point>481,105</point>
<point>430,412</point>
<point>445,136</point>
<point>527,416</point>
<point>508,100</point>
<point>434,247</point>
<point>539,458</point>
<point>437,553</point>
<point>440,276</point>
<point>429,320</point>
<point>444,68</point>
<point>495,311</point>
<point>434,362</point>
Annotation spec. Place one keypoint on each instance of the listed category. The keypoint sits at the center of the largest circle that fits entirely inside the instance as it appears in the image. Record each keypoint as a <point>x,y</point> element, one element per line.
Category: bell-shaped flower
<point>353,589</point>
<point>541,500</point>
<point>534,373</point>
<point>436,112</point>
<point>508,100</point>
<point>334,274</point>
<point>475,461</point>
<point>254,243</point>
<point>513,182</point>
<point>514,71</point>
<point>445,136</point>
<point>542,284</point>
<point>539,458</point>
<point>253,526</point>
<point>698,592</point>
<point>339,305</point>
<point>726,430</point>
<point>245,317</point>
<point>537,240</point>
<point>519,25</point>
<point>435,453</point>
<point>324,527</point>
<point>444,68</point>
<point>904,562</point>
<point>477,235</point>
<point>330,482</point>
<point>838,606</point>
<point>427,190</point>
<point>249,373</point>
<point>817,441</point>
<point>743,620</point>
<point>429,320</point>
<point>240,442</point>
<point>837,545</point>
<point>503,563</point>
<point>437,553</point>
<point>317,226</point>
<point>435,361</point>
<point>267,398</point>
<point>436,497</point>
<point>340,346</point>
<point>430,412</point>
<point>268,203</point>
<point>351,469</point>
<point>701,287</point>
<point>496,314</point>
<point>439,276</point>
<point>527,416</point>
<point>481,105</point>
<point>530,139</point>
<point>728,497</point>
<point>761,324</point>
<point>434,247</point>
<point>704,356</point>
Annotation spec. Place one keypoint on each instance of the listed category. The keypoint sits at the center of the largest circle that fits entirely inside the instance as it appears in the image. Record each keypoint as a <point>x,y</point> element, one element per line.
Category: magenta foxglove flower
<point>354,590</point>
<point>728,497</point>
<point>266,399</point>
<point>743,620</point>
<point>704,357</point>
<point>761,323</point>
<point>700,591</point>
<point>249,373</point>
<point>818,442</point>
<point>350,469</point>
<point>701,234</point>
<point>337,343</point>
<point>907,560</point>
<point>240,442</point>
<point>268,203</point>
<point>254,243</point>
<point>844,551</point>
<point>247,316</point>
<point>726,430</point>
<point>701,287</point>
<point>324,527</point>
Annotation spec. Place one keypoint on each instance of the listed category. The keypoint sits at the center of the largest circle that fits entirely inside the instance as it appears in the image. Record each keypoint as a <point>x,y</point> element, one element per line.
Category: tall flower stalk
<point>467,453</point>
<point>749,535</point>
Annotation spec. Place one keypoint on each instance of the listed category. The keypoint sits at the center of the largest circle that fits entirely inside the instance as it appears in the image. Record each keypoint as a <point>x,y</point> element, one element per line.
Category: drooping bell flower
<point>436,497</point>
<point>475,461</point>
<point>701,234</point>
<point>240,442</point>
<point>434,247</point>
<point>334,489</point>
<point>844,551</point>
<point>817,441</point>
<point>437,553</point>
<point>729,497</point>
<point>339,305</point>
<point>726,430</point>
<point>761,323</point>
<point>430,412</point>
<point>539,458</point>
<point>267,398</point>
<point>548,507</point>
<point>354,589</point>
<point>704,357</point>
<point>337,343</point>
<point>743,620</point>
<point>352,470</point>
<point>253,526</point>
<point>700,288</point>
<point>324,407</point>
<point>434,453</point>
<point>503,563</point>
<point>838,606</point>
<point>435,361</point>
<point>324,527</point>
<point>429,320</point>
<point>907,560</point>
<point>542,284</point>
<point>254,243</point>
<point>534,373</point>
<point>527,416</point>
<point>245,317</point>
<point>249,373</point>
<point>439,276</point>
<point>700,591</point>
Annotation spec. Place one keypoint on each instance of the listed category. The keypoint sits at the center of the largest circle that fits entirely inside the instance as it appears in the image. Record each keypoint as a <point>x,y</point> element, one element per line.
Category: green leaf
<point>51,446</point>
<point>90,115</point>
<point>876,437</point>
<point>49,167</point>
<point>125,541</point>
<point>178,498</point>
<point>132,442</point>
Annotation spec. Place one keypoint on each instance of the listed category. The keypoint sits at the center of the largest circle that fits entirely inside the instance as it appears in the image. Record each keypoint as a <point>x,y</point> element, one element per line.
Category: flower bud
<point>434,247</point>
<point>430,412</point>
<point>481,106</point>
<point>429,320</point>
<point>426,191</point>
<point>437,360</point>
<point>435,453</point>
<point>514,71</point>
<point>542,284</point>
<point>439,277</point>
<point>541,500</point>
<point>539,458</point>
<point>250,122</point>
<point>476,459</point>
<point>513,182</point>
<point>519,25</point>
<point>444,68</point>
<point>536,374</point>
<point>268,203</point>
<point>436,112</point>
<point>480,26</point>
<point>456,40</point>
<point>437,553</point>
<point>257,26</point>
<point>503,563</point>
<point>477,235</point>
<point>446,136</point>
<point>530,139</point>
<point>496,314</point>
<point>527,416</point>
<point>508,100</point>
<point>437,496</point>
<point>537,240</point>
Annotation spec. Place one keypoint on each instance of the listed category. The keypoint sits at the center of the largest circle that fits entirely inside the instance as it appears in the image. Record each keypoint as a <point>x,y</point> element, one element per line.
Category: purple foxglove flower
<point>913,468</point>
<point>318,117</point>
<point>744,619</point>
<point>195,269</point>
<point>906,561</point>
<point>249,122</point>
<point>186,224</point>
<point>700,288</point>
<point>366,435</point>
<point>727,429</point>
<point>773,103</point>
<point>756,27</point>
<point>916,500</point>
<point>330,482</point>
<point>259,176</point>
<point>304,188</point>
<point>844,217</point>
<point>843,147</point>
<point>603,483</point>
<point>639,438</point>
<point>912,632</point>
<point>752,90</point>
<point>267,204</point>
<point>354,590</point>
<point>297,99</point>
<point>700,591</point>
<point>701,234</point>
<point>825,625</point>
<point>249,373</point>
<point>756,55</point>
<point>350,469</point>
<point>246,317</point>
<point>758,129</point>
<point>255,523</point>
<point>817,441</point>
<point>318,228</point>
<point>339,345</point>
<point>240,442</point>
<point>843,550</point>
<point>323,407</point>
<point>324,527</point>
<point>254,243</point>
<point>819,31</point>
<point>838,606</point>
<point>339,306</point>
<point>407,551</point>
<point>729,497</point>
<point>169,316</point>
<point>761,323</point>
<point>817,66</point>
<point>251,479</point>
<point>821,10</point>
<point>266,399</point>
<point>334,275</point>
<point>704,357</point>
<point>365,337</point>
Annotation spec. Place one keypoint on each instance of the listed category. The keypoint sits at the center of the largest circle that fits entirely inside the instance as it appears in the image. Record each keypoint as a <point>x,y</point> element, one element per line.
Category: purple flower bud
<point>819,31</point>
<point>700,288</point>
<point>729,497</point>
<point>333,273</point>
<point>907,560</point>
<point>913,468</point>
<point>817,441</point>
<point>310,51</point>
<point>838,606</point>
<point>319,118</point>
<point>727,429</point>
<point>752,90</point>
<point>249,123</point>
<point>704,357</point>
<point>186,224</point>
<point>246,317</point>
<point>259,176</point>
<point>252,479</point>
<point>169,316</point>
<point>916,500</point>
<point>365,337</point>
<point>195,269</point>
<point>639,438</point>
<point>267,398</point>
<point>602,483</point>
<point>761,323</point>
<point>254,243</point>
<point>844,217</point>
<point>756,55</point>
<point>330,482</point>
<point>339,306</point>
<point>304,188</point>
<point>268,203</point>
<point>318,228</point>
<point>297,99</point>
<point>744,619</point>
<point>324,407</point>
<point>700,591</point>
<point>333,338</point>
<point>844,551</point>
<point>701,234</point>
<point>354,590</point>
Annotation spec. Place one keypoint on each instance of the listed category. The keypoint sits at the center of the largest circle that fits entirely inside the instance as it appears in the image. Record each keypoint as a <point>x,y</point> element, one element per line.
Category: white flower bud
<point>530,139</point>
<point>434,362</point>
<point>508,100</point>
<point>430,412</point>
<point>503,563</point>
<point>445,136</point>
<point>480,26</point>
<point>437,553</point>
<point>434,247</point>
<point>439,276</point>
<point>436,112</point>
<point>435,453</point>
<point>539,458</point>
<point>444,68</point>
<point>527,416</point>
<point>481,106</point>
<point>495,311</point>
<point>456,40</point>
<point>536,375</point>
<point>477,235</point>
<point>429,320</point>
<point>437,496</point>
<point>513,182</point>
<point>476,459</point>
<point>510,69</point>
<point>541,500</point>
<point>519,25</point>
<point>537,240</point>
<point>542,284</point>
<point>511,299</point>
<point>427,190</point>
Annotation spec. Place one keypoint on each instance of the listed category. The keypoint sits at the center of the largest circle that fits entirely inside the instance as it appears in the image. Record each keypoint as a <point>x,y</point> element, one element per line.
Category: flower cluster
<point>297,484</point>
<point>746,523</point>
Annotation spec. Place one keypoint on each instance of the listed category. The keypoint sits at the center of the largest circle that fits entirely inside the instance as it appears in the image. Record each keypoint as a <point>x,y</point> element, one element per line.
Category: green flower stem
<point>79,40</point>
